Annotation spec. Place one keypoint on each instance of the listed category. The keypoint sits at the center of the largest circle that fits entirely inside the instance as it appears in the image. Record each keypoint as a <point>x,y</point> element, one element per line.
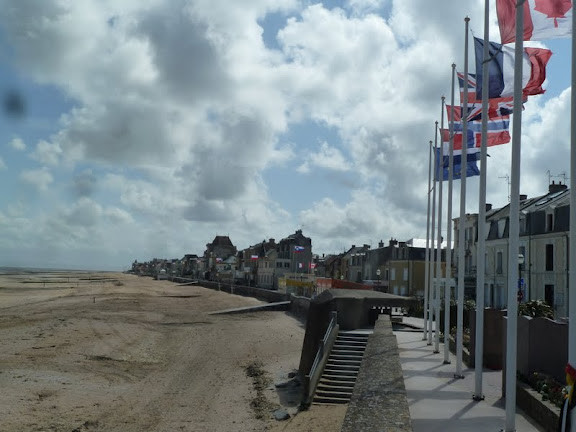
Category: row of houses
<point>291,266</point>
<point>399,267</point>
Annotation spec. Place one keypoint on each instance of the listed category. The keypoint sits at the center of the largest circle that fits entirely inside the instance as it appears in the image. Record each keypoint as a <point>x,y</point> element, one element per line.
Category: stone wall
<point>259,293</point>
<point>299,307</point>
<point>379,401</point>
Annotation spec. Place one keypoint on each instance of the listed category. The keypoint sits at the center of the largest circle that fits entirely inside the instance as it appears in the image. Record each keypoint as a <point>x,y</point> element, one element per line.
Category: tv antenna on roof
<point>507,177</point>
<point>561,175</point>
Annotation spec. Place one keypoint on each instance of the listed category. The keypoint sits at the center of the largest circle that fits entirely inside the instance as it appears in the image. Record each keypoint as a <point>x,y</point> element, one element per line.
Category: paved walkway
<point>441,403</point>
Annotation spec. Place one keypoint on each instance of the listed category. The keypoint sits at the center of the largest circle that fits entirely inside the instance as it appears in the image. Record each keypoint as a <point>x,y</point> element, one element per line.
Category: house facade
<point>542,257</point>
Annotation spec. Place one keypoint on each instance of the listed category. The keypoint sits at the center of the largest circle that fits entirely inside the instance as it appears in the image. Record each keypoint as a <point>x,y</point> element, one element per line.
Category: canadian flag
<point>543,19</point>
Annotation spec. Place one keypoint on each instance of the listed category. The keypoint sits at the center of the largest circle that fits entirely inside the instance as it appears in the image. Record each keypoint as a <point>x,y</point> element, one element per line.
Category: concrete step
<point>350,347</point>
<point>336,360</point>
<point>334,394</point>
<point>341,351</point>
<point>321,400</point>
<point>350,342</point>
<point>339,377</point>
<point>352,338</point>
<point>337,383</point>
<point>323,387</point>
<point>344,356</point>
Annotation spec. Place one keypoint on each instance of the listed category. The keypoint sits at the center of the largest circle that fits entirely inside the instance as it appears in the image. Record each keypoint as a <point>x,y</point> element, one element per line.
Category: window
<point>392,273</point>
<point>278,264</point>
<point>499,262</point>
<point>549,294</point>
<point>549,257</point>
<point>549,222</point>
<point>405,275</point>
<point>286,264</point>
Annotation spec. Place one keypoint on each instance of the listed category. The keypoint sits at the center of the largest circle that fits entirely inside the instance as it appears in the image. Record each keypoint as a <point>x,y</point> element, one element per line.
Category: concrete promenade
<point>439,402</point>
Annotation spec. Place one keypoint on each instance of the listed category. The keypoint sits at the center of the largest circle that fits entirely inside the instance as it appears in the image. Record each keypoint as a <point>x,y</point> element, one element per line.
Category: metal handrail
<point>321,354</point>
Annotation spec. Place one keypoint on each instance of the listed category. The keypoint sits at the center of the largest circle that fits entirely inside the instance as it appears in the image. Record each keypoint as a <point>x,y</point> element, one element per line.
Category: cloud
<point>39,178</point>
<point>84,183</point>
<point>17,144</point>
<point>181,110</point>
<point>47,153</point>
<point>327,157</point>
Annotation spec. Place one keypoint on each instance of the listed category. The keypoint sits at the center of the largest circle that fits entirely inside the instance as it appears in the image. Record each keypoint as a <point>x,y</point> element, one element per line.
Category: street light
<point>378,276</point>
<point>520,293</point>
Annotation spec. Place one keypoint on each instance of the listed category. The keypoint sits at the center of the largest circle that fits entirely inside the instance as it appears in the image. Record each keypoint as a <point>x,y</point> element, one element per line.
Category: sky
<point>152,126</point>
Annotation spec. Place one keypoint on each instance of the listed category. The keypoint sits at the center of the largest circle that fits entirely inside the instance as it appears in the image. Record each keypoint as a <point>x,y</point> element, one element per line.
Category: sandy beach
<point>117,352</point>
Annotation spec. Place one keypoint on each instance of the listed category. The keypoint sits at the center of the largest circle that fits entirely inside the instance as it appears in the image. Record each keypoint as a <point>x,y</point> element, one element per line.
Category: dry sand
<point>117,352</point>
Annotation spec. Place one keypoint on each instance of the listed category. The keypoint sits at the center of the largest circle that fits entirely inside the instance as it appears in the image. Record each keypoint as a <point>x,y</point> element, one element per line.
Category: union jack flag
<point>497,107</point>
<point>498,129</point>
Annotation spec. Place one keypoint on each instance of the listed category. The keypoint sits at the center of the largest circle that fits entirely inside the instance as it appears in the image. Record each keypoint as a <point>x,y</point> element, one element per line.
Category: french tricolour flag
<point>543,19</point>
<point>298,248</point>
<point>501,69</point>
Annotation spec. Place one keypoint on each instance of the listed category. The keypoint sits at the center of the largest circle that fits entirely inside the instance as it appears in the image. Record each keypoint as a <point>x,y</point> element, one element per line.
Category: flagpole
<point>432,290</point>
<point>514,223</point>
<point>439,235</point>
<point>448,272</point>
<point>481,244</point>
<point>572,252</point>
<point>463,175</point>
<point>427,259</point>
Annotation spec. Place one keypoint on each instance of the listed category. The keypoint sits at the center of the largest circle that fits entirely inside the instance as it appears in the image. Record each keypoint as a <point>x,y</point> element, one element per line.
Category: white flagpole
<point>481,245</point>
<point>431,278</point>
<point>463,172</point>
<point>427,260</point>
<point>439,236</point>
<point>514,223</point>
<point>448,273</point>
<point>572,252</point>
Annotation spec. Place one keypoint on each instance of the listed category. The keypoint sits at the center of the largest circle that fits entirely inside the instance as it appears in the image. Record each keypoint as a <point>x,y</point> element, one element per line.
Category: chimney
<point>488,206</point>
<point>523,197</point>
<point>381,244</point>
<point>366,246</point>
<point>556,187</point>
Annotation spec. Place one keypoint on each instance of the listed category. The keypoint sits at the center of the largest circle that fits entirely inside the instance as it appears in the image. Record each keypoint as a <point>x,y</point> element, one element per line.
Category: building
<point>542,256</point>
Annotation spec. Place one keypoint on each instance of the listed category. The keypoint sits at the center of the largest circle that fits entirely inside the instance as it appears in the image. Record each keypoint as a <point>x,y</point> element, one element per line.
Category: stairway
<point>339,374</point>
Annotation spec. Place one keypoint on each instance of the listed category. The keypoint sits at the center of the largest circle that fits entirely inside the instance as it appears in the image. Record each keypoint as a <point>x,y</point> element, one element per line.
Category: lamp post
<point>378,277</point>
<point>520,293</point>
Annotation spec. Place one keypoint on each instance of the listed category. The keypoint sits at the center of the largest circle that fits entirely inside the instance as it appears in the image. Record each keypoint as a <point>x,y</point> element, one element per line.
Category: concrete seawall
<point>379,401</point>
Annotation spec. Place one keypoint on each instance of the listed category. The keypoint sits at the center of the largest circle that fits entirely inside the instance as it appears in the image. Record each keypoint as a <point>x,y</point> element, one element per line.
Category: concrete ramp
<point>277,306</point>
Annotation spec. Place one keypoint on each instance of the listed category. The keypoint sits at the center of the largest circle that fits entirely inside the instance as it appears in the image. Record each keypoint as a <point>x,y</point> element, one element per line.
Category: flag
<point>442,162</point>
<point>299,265</point>
<point>501,69</point>
<point>298,248</point>
<point>543,19</point>
<point>312,265</point>
<point>496,106</point>
<point>498,129</point>
<point>457,151</point>
<point>254,257</point>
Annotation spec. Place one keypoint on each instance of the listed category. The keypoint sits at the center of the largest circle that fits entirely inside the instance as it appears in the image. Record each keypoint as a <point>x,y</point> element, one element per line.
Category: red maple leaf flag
<point>553,8</point>
<point>543,19</point>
